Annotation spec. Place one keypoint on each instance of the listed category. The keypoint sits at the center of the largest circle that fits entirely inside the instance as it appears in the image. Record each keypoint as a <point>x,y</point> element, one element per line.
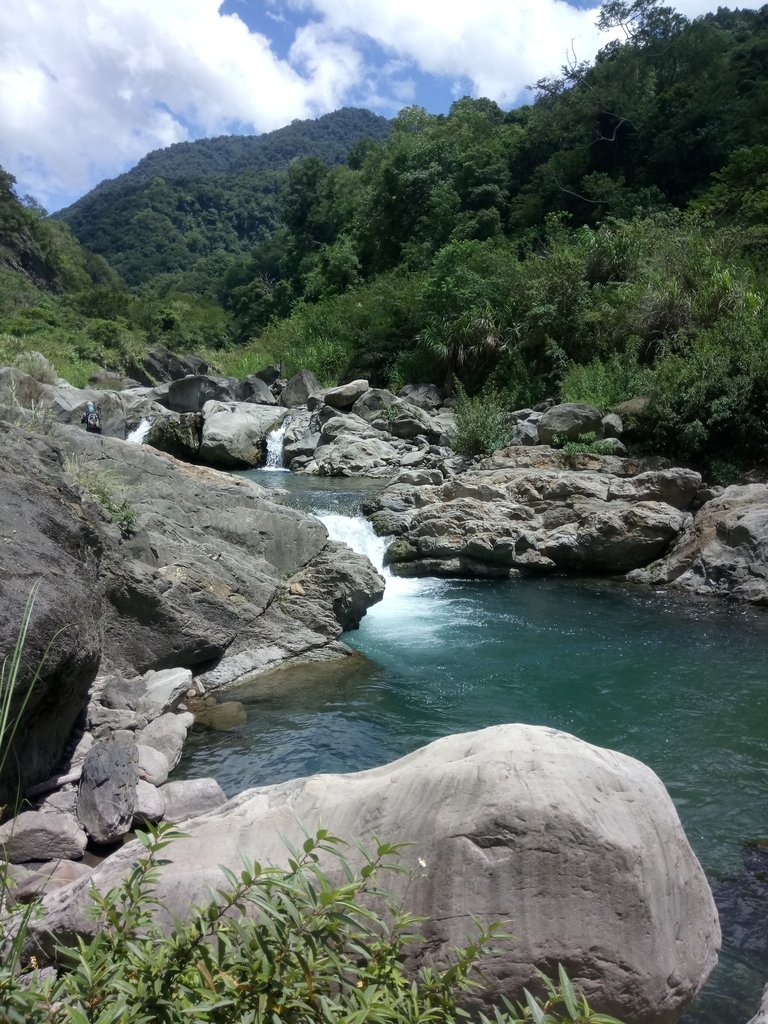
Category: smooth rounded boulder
<point>579,849</point>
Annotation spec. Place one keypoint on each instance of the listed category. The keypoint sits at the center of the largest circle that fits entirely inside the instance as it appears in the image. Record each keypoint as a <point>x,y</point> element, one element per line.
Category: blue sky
<point>87,87</point>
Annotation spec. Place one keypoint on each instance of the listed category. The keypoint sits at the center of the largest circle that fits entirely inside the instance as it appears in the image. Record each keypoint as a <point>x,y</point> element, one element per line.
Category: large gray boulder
<point>569,420</point>
<point>160,365</point>
<point>371,404</point>
<point>427,396</point>
<point>724,551</point>
<point>299,388</point>
<point>488,522</point>
<point>350,456</point>
<point>107,793</point>
<point>580,849</point>
<point>199,584</point>
<point>255,390</point>
<point>41,836</point>
<point>345,396</point>
<point>191,393</point>
<point>235,433</point>
<point>48,538</point>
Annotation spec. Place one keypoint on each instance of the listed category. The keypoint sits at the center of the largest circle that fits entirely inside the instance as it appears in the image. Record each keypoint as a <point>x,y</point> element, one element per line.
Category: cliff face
<point>202,581</point>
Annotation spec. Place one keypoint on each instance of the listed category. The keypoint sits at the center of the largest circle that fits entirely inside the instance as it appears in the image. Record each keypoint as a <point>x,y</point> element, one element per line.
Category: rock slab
<point>108,790</point>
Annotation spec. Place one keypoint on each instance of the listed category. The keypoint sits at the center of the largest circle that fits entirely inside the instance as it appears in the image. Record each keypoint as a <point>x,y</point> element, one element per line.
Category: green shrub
<point>273,945</point>
<point>586,444</point>
<point>482,423</point>
<point>710,402</point>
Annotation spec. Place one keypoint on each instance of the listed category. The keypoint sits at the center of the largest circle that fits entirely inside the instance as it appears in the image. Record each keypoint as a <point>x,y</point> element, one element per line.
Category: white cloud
<point>87,87</point>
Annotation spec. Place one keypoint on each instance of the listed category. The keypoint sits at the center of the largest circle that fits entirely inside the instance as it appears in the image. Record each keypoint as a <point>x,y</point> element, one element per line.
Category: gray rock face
<point>178,434</point>
<point>199,585</point>
<point>191,798</point>
<point>42,835</point>
<point>569,420</point>
<point>190,394</point>
<point>345,396</point>
<point>108,790</point>
<point>256,390</point>
<point>161,365</point>
<point>370,405</point>
<point>513,513</point>
<point>235,433</point>
<point>427,396</point>
<point>356,457</point>
<point>298,389</point>
<point>47,535</point>
<point>724,552</point>
<point>579,848</point>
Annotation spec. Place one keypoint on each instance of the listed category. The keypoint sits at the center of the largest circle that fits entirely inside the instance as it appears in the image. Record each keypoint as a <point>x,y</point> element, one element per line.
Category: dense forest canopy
<point>605,242</point>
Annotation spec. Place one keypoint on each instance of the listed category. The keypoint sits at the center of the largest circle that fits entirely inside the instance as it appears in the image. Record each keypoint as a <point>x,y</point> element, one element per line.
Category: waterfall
<point>137,436</point>
<point>275,447</point>
<point>358,534</point>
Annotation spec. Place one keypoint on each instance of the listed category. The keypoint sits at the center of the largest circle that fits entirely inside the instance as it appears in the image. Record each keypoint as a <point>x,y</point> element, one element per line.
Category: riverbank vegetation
<point>272,944</point>
<point>603,243</point>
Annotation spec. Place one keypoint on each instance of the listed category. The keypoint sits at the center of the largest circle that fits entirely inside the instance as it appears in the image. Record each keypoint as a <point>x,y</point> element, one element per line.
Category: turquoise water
<point>678,683</point>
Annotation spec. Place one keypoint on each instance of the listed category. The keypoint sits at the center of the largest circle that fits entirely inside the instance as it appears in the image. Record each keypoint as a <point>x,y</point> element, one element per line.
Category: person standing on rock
<point>91,418</point>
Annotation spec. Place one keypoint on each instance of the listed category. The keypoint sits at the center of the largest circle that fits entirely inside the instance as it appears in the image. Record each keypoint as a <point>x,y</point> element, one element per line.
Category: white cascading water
<point>137,436</point>
<point>275,439</point>
<point>358,534</point>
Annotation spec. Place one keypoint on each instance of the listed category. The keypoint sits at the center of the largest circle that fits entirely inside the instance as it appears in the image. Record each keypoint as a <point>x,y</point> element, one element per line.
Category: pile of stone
<point>115,780</point>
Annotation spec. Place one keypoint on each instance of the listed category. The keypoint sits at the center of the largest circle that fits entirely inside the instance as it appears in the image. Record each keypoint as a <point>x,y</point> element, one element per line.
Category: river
<point>679,683</point>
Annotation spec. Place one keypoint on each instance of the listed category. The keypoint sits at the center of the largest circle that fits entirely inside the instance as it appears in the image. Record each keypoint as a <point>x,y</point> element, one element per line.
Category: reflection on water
<point>678,683</point>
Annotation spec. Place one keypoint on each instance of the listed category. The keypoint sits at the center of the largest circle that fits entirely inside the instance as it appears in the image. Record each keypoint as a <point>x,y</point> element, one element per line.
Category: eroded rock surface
<point>579,848</point>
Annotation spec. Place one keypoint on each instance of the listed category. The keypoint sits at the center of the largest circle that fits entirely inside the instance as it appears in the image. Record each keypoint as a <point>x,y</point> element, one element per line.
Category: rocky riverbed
<point>203,579</point>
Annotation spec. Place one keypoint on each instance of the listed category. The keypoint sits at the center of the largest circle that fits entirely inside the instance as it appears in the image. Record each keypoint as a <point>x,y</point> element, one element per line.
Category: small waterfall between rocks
<point>275,440</point>
<point>138,435</point>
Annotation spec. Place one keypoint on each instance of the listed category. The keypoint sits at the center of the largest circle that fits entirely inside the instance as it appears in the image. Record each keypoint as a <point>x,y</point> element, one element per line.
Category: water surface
<point>679,683</point>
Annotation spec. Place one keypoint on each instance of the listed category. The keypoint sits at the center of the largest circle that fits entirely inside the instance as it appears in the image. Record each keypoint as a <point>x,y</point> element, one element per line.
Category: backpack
<point>93,420</point>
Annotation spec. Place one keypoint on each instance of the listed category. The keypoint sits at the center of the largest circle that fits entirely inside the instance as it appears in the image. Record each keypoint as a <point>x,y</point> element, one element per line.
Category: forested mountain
<point>605,242</point>
<point>194,199</point>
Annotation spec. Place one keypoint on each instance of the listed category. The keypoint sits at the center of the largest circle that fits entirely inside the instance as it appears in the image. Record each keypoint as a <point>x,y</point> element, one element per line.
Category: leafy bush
<point>586,444</point>
<point>711,401</point>
<point>273,945</point>
<point>482,423</point>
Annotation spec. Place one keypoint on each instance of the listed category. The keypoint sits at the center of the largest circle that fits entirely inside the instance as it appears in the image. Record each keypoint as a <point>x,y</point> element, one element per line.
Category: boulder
<point>198,584</point>
<point>426,396</point>
<point>352,457</point>
<point>163,691</point>
<point>235,433</point>
<point>42,835</point>
<point>526,432</point>
<point>270,374</point>
<point>370,405</point>
<point>152,765</point>
<point>191,798</point>
<point>219,716</point>
<point>724,552</point>
<point>46,535</point>
<point>302,448</point>
<point>345,396</point>
<point>570,421</point>
<point>612,425</point>
<point>190,394</point>
<point>107,792</point>
<point>298,389</point>
<point>179,434</point>
<point>149,805</point>
<point>48,876</point>
<point>578,848</point>
<point>257,391</point>
<point>160,365</point>
<point>167,734</point>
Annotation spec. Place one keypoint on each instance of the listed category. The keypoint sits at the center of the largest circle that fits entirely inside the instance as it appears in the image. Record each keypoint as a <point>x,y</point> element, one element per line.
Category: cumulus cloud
<point>87,87</point>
